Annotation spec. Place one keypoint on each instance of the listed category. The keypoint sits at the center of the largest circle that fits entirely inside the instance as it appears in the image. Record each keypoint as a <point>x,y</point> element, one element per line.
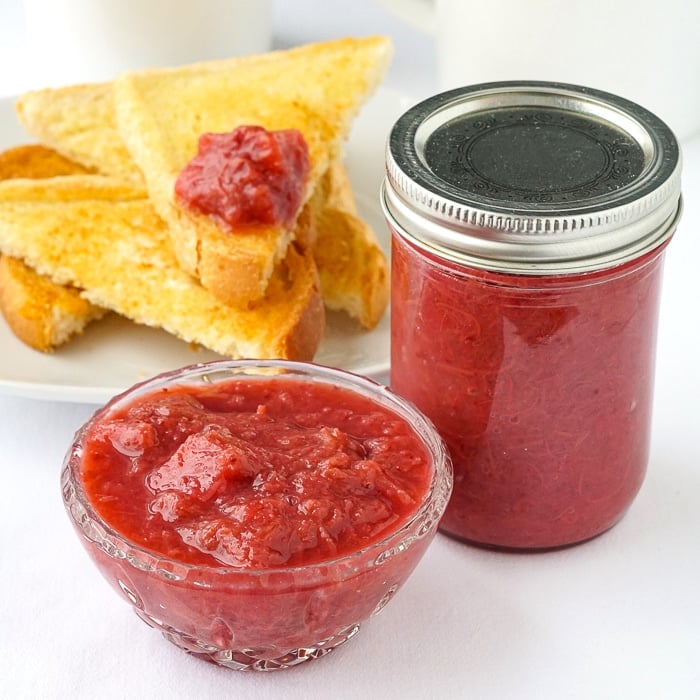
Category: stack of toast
<point>89,220</point>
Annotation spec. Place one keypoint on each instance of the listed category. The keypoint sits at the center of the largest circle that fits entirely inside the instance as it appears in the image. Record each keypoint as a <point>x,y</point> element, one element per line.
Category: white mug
<point>645,50</point>
<point>73,41</point>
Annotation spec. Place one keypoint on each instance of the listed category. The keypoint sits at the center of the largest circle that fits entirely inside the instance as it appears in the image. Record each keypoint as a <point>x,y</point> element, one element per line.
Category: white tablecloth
<point>618,617</point>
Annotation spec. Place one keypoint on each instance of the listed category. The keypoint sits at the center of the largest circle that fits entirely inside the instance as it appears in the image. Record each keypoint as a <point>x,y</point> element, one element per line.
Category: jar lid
<point>532,177</point>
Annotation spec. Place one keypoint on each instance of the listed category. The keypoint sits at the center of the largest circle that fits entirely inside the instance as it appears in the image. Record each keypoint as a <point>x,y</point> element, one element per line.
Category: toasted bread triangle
<point>161,113</point>
<point>353,269</point>
<point>78,122</point>
<point>103,236</point>
<point>41,313</point>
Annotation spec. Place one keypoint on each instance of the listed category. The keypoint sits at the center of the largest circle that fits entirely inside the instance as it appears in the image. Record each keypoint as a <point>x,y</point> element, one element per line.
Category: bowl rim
<point>430,509</point>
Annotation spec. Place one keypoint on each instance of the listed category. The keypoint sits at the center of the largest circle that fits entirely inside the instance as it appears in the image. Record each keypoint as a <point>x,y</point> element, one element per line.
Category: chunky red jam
<point>541,387</point>
<point>257,473</point>
<point>248,177</point>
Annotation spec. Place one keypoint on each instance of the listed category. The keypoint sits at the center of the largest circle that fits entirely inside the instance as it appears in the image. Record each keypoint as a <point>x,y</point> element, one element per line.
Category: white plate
<point>114,353</point>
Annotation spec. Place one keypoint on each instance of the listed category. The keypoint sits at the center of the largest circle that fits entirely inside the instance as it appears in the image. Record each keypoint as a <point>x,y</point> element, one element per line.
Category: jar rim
<point>532,177</point>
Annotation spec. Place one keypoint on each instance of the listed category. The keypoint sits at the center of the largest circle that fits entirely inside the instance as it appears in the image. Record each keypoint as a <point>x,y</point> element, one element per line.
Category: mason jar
<point>529,222</point>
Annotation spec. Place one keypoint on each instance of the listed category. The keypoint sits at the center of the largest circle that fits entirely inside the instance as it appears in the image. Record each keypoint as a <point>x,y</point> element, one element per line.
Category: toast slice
<point>353,269</point>
<point>42,314</point>
<point>36,161</point>
<point>316,89</point>
<point>78,123</point>
<point>39,312</point>
<point>103,236</point>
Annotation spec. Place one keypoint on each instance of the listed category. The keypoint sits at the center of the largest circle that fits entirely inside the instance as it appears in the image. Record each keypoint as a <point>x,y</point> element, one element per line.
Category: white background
<point>618,617</point>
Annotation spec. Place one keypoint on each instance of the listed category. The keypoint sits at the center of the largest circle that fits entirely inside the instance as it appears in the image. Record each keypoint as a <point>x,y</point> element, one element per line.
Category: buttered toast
<point>105,237</point>
<point>160,114</point>
<point>353,269</point>
<point>78,123</point>
<point>42,314</point>
<point>325,244</point>
<point>45,314</point>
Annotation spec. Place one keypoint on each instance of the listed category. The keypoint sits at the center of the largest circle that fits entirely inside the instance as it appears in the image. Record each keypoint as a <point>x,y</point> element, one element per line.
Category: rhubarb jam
<point>257,512</point>
<point>246,178</point>
<point>258,473</point>
<point>529,223</point>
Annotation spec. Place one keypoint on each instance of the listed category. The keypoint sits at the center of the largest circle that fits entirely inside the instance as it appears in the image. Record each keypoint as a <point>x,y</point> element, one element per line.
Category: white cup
<point>645,50</point>
<point>73,41</point>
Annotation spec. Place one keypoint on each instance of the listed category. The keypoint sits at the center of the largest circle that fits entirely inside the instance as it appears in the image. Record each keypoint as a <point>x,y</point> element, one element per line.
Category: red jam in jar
<point>529,222</point>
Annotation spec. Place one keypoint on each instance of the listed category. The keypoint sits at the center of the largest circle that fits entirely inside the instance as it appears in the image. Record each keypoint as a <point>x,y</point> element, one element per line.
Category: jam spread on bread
<point>247,177</point>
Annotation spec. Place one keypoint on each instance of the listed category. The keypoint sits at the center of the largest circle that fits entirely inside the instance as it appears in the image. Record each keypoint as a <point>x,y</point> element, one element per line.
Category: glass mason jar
<point>529,222</point>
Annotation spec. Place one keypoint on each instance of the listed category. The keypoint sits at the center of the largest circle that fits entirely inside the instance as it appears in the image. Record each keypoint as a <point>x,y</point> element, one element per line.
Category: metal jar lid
<point>532,177</point>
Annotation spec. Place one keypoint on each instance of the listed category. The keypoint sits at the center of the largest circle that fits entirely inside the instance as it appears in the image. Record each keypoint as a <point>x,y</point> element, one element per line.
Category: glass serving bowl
<point>260,618</point>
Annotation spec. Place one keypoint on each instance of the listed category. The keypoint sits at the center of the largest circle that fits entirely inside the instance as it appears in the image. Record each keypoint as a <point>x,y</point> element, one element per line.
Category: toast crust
<point>353,269</point>
<point>42,314</point>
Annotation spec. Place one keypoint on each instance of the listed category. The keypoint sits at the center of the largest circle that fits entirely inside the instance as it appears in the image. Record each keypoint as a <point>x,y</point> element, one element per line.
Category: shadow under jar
<point>529,223</point>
